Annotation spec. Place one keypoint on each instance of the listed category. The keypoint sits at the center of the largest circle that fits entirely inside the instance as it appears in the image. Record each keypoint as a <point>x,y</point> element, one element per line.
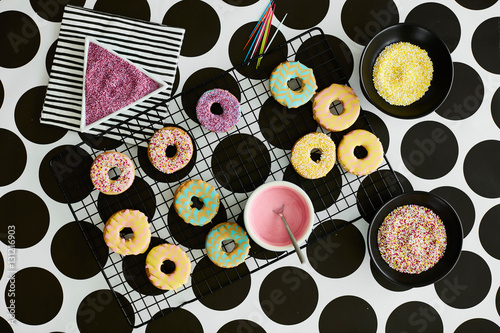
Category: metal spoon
<point>279,211</point>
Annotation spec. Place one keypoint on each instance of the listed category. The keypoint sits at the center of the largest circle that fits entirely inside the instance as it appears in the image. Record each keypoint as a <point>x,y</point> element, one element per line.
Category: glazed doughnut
<point>301,155</point>
<point>231,111</point>
<point>165,137</point>
<point>127,218</point>
<point>183,202</point>
<point>370,162</point>
<point>227,231</point>
<point>321,107</point>
<point>278,84</point>
<point>107,161</point>
<point>155,259</point>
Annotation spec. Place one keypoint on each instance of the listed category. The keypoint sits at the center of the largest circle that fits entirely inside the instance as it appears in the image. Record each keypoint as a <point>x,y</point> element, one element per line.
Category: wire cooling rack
<point>256,151</point>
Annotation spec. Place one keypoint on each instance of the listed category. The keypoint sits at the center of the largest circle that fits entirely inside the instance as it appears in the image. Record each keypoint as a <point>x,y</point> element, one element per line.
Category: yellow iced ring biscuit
<point>301,155</point>
<point>360,166</point>
<point>127,218</point>
<point>155,259</point>
<point>323,100</point>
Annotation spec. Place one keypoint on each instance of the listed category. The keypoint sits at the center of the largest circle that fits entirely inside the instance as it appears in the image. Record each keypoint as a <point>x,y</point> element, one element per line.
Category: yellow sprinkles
<point>301,155</point>
<point>402,73</point>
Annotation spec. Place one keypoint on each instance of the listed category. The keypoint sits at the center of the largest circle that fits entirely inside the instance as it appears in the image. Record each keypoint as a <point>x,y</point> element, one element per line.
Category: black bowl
<point>440,57</point>
<point>454,236</point>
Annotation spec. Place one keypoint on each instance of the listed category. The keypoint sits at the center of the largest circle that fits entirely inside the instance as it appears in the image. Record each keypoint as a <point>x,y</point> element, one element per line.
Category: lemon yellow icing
<point>301,155</point>
<point>127,218</point>
<point>366,165</point>
<point>154,262</point>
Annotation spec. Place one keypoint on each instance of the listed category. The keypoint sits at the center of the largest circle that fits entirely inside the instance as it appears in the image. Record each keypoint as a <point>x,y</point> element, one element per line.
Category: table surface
<point>453,152</point>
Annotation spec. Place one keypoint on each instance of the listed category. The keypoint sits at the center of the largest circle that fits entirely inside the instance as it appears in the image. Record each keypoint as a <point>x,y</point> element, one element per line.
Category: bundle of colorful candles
<point>260,34</point>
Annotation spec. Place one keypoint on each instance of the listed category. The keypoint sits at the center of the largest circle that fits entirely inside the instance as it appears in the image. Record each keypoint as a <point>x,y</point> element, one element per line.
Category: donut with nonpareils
<point>99,172</point>
<point>350,104</point>
<point>155,259</point>
<point>165,137</point>
<point>223,232</point>
<point>137,222</point>
<point>353,164</point>
<point>301,159</point>
<point>205,193</point>
<point>231,111</point>
<point>278,84</point>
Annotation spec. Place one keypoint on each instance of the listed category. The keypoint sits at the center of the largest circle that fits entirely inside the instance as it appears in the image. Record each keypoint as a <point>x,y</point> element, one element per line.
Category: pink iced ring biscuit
<point>231,111</point>
<point>127,218</point>
<point>161,140</point>
<point>321,107</point>
<point>360,166</point>
<point>99,172</point>
<point>155,259</point>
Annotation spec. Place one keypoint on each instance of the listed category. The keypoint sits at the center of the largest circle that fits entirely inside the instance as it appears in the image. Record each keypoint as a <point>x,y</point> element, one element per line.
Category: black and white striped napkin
<point>152,46</point>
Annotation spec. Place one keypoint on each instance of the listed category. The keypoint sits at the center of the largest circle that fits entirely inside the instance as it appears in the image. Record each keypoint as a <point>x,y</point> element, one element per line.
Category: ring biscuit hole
<point>228,245</point>
<point>171,151</point>
<point>216,109</point>
<point>167,267</point>
<point>316,155</point>
<point>336,108</point>
<point>126,233</point>
<point>196,203</point>
<point>114,173</point>
<point>360,152</point>
<point>294,84</point>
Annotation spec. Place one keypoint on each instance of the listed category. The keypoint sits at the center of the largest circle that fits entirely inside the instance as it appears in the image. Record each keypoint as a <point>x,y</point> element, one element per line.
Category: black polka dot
<point>19,39</point>
<point>192,236</point>
<point>2,93</point>
<point>27,115</point>
<point>495,107</point>
<point>385,282</point>
<point>5,326</point>
<point>481,171</point>
<point>336,254</point>
<point>25,212</point>
<point>348,314</point>
<point>323,192</point>
<point>414,317</point>
<point>489,232</point>
<point>240,3</point>
<point>38,296</point>
<point>476,5</point>
<point>13,149</point>
<point>138,9</point>
<point>497,301</point>
<point>49,60</point>
<point>467,284</point>
<point>466,94</point>
<point>99,142</point>
<point>99,311</point>
<point>438,19</point>
<point>282,126</point>
<point>134,271</point>
<point>179,321</point>
<point>364,19</point>
<point>2,265</point>
<point>316,12</point>
<point>51,10</point>
<point>485,45</point>
<point>139,196</point>
<point>198,83</point>
<point>207,279</point>
<point>462,204</point>
<point>241,325</point>
<point>378,188</point>
<point>478,325</point>
<point>237,54</point>
<point>177,79</point>
<point>429,150</point>
<point>201,22</point>
<point>288,290</point>
<point>241,163</point>
<point>71,165</point>
<point>71,253</point>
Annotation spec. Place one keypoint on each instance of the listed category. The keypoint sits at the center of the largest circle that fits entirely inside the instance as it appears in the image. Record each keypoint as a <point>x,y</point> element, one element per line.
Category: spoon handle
<point>294,241</point>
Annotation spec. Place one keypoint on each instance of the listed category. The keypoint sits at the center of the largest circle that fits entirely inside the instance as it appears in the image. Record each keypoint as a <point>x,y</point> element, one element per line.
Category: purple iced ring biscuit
<point>231,111</point>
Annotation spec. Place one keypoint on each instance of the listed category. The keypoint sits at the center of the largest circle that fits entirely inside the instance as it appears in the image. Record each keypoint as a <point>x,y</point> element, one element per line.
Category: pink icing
<point>267,225</point>
<point>230,106</point>
<point>105,162</point>
<point>111,83</point>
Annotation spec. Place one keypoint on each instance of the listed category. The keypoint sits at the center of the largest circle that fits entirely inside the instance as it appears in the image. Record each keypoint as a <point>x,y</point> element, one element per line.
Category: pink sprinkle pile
<point>111,84</point>
<point>412,239</point>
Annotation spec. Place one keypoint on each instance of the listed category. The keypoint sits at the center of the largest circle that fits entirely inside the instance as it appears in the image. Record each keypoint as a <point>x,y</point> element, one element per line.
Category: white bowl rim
<point>289,185</point>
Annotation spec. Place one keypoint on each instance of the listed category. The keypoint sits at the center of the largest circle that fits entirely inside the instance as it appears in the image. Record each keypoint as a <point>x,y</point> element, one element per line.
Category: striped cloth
<point>152,46</point>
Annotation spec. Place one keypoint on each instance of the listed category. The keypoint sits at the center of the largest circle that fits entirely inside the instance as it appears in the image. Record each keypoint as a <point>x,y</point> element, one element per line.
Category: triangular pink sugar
<point>112,83</point>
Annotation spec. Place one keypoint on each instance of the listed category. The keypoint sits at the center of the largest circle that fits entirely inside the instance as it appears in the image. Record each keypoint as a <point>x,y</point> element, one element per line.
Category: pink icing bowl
<point>265,227</point>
